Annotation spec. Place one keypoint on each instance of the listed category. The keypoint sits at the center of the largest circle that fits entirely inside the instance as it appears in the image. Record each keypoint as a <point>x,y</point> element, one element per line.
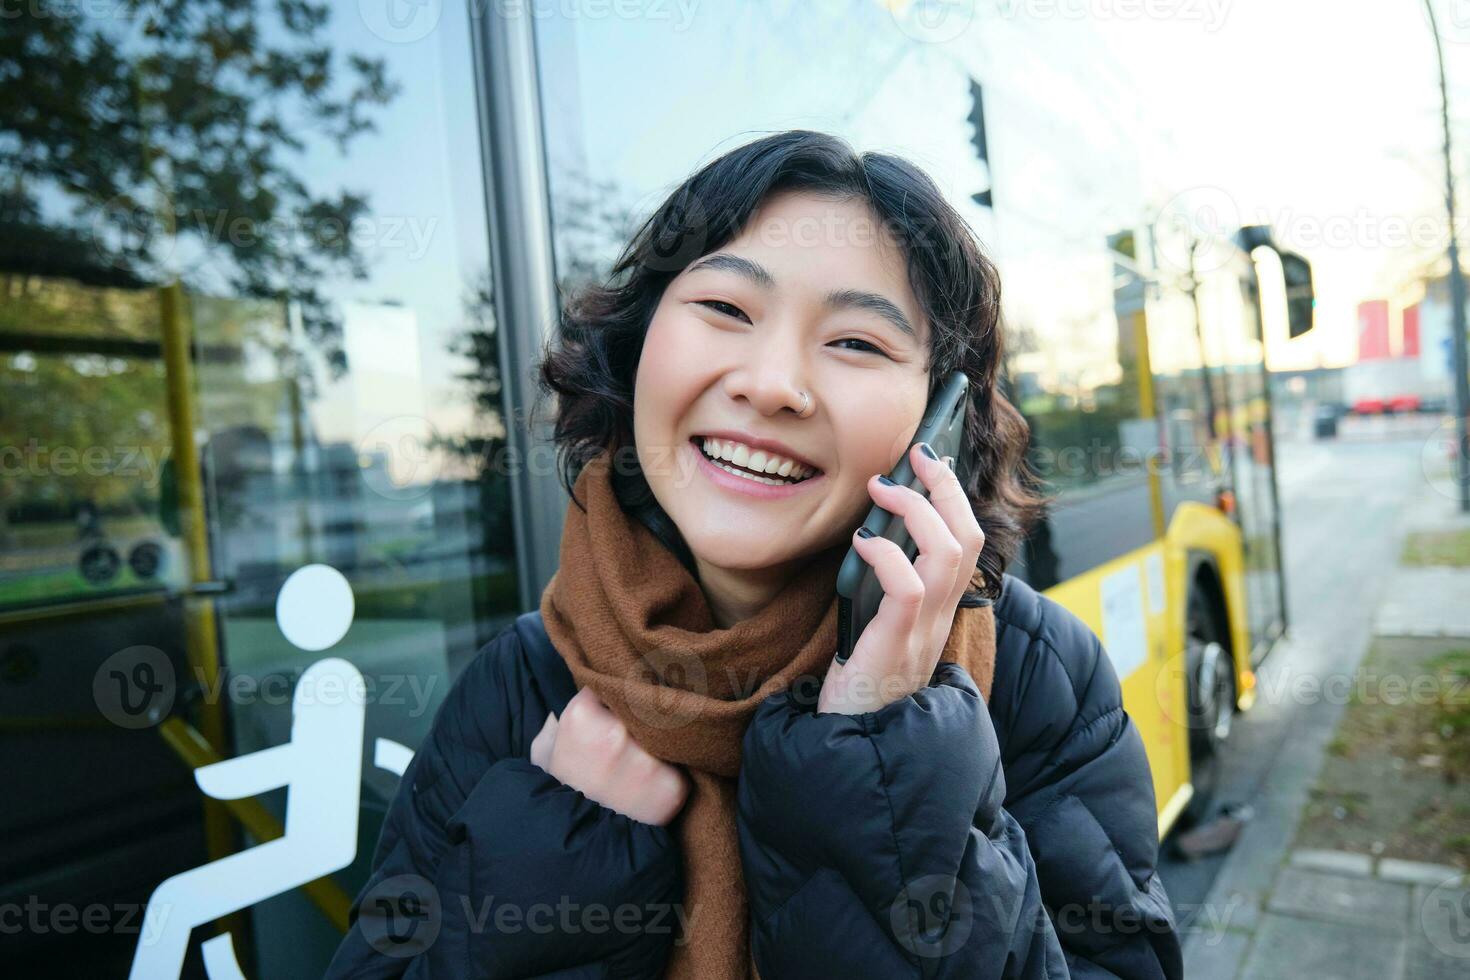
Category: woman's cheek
<point>682,355</point>
<point>656,389</point>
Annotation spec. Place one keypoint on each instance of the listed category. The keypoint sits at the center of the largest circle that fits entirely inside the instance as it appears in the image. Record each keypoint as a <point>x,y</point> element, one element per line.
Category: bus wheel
<point>1211,704</point>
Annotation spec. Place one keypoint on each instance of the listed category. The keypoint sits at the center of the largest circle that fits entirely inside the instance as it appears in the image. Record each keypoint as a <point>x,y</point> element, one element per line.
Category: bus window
<point>85,431</point>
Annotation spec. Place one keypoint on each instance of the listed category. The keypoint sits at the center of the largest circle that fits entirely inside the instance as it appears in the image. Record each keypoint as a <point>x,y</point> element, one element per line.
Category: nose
<point>771,379</point>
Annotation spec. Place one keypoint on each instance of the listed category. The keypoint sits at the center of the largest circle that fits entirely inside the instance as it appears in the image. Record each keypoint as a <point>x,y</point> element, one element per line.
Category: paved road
<point>1344,505</point>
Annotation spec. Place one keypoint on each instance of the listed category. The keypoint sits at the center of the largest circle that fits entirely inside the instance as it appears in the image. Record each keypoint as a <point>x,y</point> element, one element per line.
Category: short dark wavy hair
<point>590,365</point>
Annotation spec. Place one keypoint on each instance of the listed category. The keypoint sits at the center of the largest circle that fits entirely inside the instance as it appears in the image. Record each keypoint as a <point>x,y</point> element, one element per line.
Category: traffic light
<point>977,137</point>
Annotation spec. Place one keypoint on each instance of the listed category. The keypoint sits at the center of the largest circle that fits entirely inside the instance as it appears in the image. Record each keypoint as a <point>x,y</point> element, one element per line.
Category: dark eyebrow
<point>856,299</point>
<point>838,299</point>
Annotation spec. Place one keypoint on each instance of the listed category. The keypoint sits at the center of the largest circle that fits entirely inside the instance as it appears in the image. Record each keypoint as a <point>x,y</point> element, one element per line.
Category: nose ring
<point>806,402</point>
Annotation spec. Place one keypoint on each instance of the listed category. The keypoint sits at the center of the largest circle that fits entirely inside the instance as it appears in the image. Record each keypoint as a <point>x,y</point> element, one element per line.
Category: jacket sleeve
<point>488,867</point>
<point>1081,789</point>
<point>878,845</point>
<point>875,845</point>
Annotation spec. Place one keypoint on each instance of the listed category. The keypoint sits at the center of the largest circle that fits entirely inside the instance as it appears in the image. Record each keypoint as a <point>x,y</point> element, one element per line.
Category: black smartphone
<point>858,591</point>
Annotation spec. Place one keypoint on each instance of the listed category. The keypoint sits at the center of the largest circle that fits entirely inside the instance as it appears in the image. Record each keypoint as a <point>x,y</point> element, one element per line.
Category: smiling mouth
<point>769,479</point>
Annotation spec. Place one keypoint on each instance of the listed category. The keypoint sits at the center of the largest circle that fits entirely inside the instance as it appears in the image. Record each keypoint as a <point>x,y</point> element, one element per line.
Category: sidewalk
<point>1331,914</point>
<point>1274,912</point>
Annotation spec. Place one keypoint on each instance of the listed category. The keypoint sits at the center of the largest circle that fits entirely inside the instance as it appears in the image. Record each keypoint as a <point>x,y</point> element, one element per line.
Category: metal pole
<point>1457,285</point>
<point>524,276</point>
<point>1204,360</point>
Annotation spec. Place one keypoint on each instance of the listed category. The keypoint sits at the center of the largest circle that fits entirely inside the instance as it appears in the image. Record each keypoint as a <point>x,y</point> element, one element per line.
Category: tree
<point>168,129</point>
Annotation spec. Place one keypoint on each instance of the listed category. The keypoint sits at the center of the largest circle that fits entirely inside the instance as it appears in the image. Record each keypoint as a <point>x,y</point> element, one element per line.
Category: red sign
<point>1411,331</point>
<point>1373,330</point>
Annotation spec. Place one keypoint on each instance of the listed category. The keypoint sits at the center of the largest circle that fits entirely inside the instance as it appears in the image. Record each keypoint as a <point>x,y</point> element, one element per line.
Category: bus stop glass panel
<point>633,105</point>
<point>299,202</point>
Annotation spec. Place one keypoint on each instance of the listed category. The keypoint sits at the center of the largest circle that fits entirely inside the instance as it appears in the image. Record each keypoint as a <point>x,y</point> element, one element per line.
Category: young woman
<point>662,772</point>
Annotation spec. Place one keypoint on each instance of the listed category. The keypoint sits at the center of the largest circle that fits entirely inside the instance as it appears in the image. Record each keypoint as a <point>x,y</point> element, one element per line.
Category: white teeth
<point>751,476</point>
<point>757,460</point>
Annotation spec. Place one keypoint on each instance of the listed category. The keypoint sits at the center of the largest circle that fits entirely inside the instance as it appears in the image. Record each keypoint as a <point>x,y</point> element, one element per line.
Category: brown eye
<point>727,310</point>
<point>866,346</point>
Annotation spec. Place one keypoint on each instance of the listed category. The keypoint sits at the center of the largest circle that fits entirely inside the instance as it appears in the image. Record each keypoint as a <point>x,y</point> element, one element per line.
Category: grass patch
<point>1450,719</point>
<point>1437,548</point>
<point>1396,776</point>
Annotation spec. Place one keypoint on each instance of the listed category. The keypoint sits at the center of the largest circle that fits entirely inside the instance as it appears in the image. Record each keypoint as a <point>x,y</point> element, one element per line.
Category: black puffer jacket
<point>937,837</point>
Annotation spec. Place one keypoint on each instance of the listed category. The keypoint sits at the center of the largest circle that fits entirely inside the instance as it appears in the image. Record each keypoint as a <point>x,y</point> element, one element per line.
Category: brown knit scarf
<point>633,625</point>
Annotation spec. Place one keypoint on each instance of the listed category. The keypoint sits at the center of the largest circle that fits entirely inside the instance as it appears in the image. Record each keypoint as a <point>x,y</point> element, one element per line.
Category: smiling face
<point>809,298</point>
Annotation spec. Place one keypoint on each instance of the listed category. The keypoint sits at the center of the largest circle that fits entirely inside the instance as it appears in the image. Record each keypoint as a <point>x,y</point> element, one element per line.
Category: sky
<point>1320,117</point>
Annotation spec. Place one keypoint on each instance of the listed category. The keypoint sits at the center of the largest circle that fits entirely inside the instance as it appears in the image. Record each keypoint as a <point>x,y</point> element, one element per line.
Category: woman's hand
<point>898,651</point>
<point>590,750</point>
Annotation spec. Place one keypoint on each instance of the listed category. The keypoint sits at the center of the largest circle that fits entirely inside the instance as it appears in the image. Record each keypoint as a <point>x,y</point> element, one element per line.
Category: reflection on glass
<point>632,105</point>
<point>301,197</point>
<point>84,434</point>
<point>1209,366</point>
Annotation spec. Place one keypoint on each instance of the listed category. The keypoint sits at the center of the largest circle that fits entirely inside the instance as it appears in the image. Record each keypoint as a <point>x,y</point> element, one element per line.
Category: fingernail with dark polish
<point>863,532</point>
<point>886,482</point>
<point>927,450</point>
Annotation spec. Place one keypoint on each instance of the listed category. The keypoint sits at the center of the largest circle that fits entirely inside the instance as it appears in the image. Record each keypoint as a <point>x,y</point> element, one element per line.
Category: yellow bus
<point>1165,537</point>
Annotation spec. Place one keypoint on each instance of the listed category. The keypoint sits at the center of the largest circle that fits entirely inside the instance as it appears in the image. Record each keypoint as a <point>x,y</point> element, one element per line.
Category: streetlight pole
<point>1457,285</point>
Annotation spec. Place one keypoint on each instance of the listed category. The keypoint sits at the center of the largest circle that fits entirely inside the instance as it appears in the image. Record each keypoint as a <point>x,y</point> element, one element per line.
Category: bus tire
<point>1211,682</point>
